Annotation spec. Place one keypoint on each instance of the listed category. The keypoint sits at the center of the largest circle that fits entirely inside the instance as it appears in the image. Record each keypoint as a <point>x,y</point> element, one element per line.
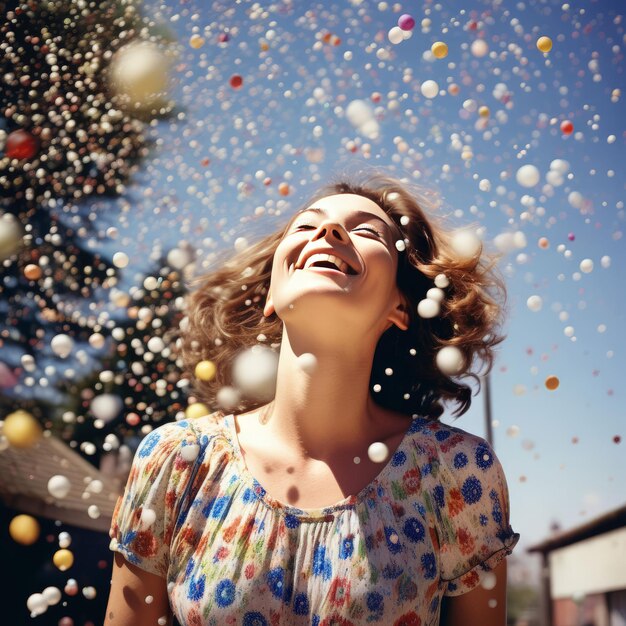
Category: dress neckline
<point>317,514</point>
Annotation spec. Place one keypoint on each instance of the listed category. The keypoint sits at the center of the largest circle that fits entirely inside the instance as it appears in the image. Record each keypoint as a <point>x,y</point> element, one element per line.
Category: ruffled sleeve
<point>146,513</point>
<point>473,499</point>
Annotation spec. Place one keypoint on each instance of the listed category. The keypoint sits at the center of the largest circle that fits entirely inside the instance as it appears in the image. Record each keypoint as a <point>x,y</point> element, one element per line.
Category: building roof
<point>24,476</point>
<point>611,520</point>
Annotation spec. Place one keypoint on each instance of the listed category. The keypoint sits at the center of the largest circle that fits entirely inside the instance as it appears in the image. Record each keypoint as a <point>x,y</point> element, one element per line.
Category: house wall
<point>590,566</point>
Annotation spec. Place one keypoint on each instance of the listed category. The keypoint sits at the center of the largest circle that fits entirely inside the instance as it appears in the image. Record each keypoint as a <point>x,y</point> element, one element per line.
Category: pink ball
<point>571,236</point>
<point>406,22</point>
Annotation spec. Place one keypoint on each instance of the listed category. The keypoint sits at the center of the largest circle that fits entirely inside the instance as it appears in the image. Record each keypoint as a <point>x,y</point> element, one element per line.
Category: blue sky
<point>288,122</point>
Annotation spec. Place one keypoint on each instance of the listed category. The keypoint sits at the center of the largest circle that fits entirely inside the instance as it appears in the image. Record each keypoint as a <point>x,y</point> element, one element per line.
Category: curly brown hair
<point>225,314</point>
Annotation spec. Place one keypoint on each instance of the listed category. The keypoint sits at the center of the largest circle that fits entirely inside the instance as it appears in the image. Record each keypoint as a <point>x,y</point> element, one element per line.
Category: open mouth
<point>328,261</point>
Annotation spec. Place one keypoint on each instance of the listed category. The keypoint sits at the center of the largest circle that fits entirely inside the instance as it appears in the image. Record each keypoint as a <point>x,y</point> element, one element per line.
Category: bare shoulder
<point>136,597</point>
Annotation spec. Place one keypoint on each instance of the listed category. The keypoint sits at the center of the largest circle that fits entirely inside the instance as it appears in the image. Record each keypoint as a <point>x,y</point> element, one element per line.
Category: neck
<point>325,408</point>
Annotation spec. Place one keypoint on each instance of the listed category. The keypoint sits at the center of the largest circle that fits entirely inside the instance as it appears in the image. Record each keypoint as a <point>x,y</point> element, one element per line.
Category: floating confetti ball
<point>139,73</point>
<point>544,44</point>
<point>484,111</point>
<point>527,175</point>
<point>442,281</point>
<point>32,272</point>
<point>196,410</point>
<point>24,529</point>
<point>227,398</point>
<point>52,595</point>
<point>106,406</point>
<point>205,371</point>
<point>254,372</point>
<point>120,259</point>
<point>20,144</point>
<point>63,559</point>
<point>586,266</point>
<point>283,189</point>
<point>534,303</point>
<point>567,128</point>
<point>395,35</point>
<point>428,308</point>
<point>377,452</point>
<point>308,362</point>
<point>450,360</point>
<point>11,233</point>
<point>571,237</point>
<point>543,243</point>
<point>236,81</point>
<point>196,41</point>
<point>59,486</point>
<point>429,89</point>
<point>37,604</point>
<point>552,382</point>
<point>406,22</point>
<point>617,439</point>
<point>479,48</point>
<point>465,244</point>
<point>21,429</point>
<point>62,345</point>
<point>439,50</point>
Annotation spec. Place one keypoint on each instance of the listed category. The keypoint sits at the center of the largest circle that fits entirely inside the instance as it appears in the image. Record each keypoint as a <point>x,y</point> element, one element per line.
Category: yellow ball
<point>21,429</point>
<point>205,370</point>
<point>63,559</point>
<point>24,529</point>
<point>483,111</point>
<point>196,410</point>
<point>196,41</point>
<point>544,44</point>
<point>439,50</point>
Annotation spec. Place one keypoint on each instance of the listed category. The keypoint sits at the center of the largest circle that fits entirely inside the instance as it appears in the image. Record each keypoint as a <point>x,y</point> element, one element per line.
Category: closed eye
<point>370,229</point>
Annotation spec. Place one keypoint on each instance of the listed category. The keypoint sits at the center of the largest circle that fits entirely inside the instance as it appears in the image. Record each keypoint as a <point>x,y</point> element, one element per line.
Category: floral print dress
<point>433,522</point>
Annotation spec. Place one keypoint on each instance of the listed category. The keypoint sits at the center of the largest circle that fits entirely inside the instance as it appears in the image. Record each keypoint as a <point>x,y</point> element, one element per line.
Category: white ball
<point>605,261</point>
<point>11,233</point>
<point>89,592</point>
<point>465,244</point>
<point>527,175</point>
<point>378,452</point>
<point>96,341</point>
<point>395,35</point>
<point>156,345</point>
<point>190,452</point>
<point>429,89</point>
<point>241,244</point>
<point>93,511</point>
<point>178,259</point>
<point>227,398</point>
<point>148,516</point>
<point>559,165</point>
<point>59,486</point>
<point>120,259</point>
<point>428,308</point>
<point>534,303</point>
<point>140,72</point>
<point>358,112</point>
<point>575,198</point>
<point>62,345</point>
<point>52,595</point>
<point>307,362</point>
<point>436,294</point>
<point>442,281</point>
<point>254,372</point>
<point>106,406</point>
<point>37,604</point>
<point>450,360</point>
<point>586,266</point>
<point>479,48</point>
<point>65,540</point>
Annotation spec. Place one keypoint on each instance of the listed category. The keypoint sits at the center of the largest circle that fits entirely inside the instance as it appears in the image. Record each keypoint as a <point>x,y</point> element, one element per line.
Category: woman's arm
<point>130,586</point>
<point>473,608</point>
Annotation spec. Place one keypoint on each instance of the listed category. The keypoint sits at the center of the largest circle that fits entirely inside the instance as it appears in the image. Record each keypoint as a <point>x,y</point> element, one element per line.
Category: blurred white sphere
<point>59,486</point>
<point>527,175</point>
<point>378,452</point>
<point>429,89</point>
<point>62,345</point>
<point>450,360</point>
<point>37,604</point>
<point>428,308</point>
<point>106,406</point>
<point>254,372</point>
<point>52,595</point>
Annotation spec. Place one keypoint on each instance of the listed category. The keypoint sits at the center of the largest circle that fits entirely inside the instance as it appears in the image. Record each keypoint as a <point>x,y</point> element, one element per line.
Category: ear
<point>268,309</point>
<point>400,315</point>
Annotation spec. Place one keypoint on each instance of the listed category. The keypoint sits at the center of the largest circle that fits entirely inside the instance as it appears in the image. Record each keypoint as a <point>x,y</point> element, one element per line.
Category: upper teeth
<point>342,266</point>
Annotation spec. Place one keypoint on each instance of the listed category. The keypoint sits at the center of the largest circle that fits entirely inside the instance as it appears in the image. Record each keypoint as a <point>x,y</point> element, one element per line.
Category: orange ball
<point>552,382</point>
<point>543,243</point>
<point>283,189</point>
<point>32,271</point>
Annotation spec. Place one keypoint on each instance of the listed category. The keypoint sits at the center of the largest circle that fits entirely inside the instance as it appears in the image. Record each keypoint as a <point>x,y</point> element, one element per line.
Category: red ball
<point>21,145</point>
<point>236,81</point>
<point>567,128</point>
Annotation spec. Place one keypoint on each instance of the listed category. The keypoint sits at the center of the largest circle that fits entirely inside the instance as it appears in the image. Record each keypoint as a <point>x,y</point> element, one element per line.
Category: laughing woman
<point>279,510</point>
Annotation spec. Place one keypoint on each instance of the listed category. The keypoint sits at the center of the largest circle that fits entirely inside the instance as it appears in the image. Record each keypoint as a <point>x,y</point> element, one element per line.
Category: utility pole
<point>487,395</point>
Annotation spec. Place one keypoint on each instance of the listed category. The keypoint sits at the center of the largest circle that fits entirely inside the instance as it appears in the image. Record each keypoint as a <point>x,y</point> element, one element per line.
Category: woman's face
<point>338,257</point>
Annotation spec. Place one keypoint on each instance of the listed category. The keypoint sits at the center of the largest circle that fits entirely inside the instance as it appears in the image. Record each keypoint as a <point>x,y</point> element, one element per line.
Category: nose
<point>330,230</point>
